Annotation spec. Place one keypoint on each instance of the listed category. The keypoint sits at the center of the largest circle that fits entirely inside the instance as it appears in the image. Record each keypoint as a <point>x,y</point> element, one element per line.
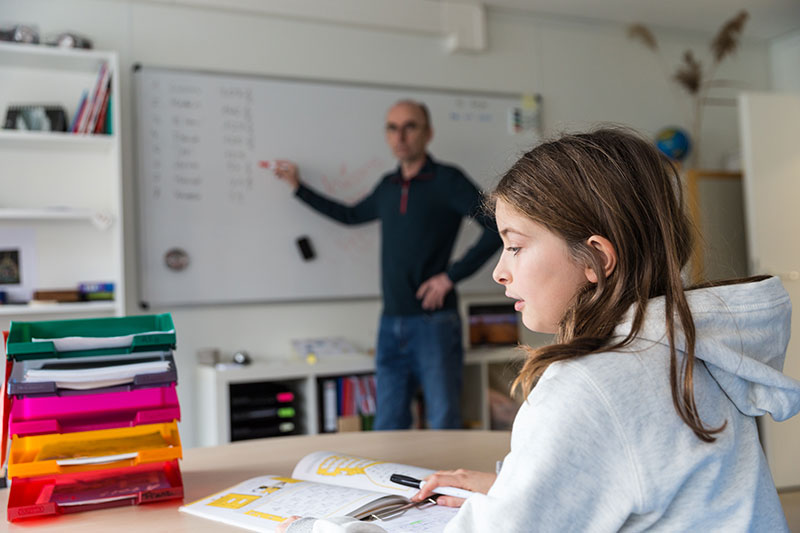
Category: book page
<point>357,472</point>
<point>261,503</point>
<point>426,518</point>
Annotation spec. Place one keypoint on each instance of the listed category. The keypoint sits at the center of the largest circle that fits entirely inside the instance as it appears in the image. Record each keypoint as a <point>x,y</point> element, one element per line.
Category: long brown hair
<point>613,183</point>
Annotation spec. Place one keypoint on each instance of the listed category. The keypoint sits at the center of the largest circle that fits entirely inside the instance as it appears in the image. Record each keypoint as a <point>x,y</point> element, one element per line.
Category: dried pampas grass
<point>727,39</point>
<point>690,74</point>
<point>642,33</point>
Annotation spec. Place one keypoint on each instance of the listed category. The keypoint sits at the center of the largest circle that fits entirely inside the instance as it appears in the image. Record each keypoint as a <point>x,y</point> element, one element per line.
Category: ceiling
<point>768,18</point>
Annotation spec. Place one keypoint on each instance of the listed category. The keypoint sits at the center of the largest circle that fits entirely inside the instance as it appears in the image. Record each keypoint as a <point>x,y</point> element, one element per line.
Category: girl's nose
<point>500,274</point>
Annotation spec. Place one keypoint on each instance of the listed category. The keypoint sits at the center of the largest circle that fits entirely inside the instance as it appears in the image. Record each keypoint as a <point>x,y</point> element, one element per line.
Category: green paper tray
<point>149,332</point>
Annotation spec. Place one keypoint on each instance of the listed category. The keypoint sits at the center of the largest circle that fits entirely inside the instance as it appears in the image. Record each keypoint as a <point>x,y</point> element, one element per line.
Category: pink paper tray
<point>88,412</point>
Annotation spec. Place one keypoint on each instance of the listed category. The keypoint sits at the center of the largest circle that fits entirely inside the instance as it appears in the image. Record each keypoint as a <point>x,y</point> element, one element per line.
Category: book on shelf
<point>87,117</point>
<point>96,291</point>
<point>99,105</point>
<point>100,127</point>
<point>88,112</point>
<point>330,406</point>
<point>347,403</point>
<point>109,125</point>
<point>57,295</point>
<point>79,111</point>
<point>326,484</point>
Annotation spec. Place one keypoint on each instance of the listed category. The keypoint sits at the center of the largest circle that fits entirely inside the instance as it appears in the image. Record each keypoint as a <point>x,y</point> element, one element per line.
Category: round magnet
<point>176,259</point>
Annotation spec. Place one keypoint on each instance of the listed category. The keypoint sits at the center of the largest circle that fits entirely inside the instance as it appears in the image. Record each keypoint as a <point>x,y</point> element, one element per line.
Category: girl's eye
<point>513,249</point>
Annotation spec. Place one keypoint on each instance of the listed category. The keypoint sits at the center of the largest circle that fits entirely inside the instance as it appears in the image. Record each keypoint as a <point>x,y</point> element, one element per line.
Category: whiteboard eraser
<point>304,244</point>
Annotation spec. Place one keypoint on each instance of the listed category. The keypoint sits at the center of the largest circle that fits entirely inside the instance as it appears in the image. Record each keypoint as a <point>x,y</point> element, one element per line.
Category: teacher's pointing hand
<point>287,171</point>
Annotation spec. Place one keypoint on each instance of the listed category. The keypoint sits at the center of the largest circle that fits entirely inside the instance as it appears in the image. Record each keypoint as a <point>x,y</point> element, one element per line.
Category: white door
<point>770,137</point>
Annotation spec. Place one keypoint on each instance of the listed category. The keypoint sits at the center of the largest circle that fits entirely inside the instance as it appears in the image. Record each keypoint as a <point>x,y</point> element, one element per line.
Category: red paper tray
<point>86,491</point>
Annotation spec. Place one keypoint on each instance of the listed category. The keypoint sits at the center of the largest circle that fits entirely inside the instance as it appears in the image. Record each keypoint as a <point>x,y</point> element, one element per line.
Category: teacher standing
<point>421,205</point>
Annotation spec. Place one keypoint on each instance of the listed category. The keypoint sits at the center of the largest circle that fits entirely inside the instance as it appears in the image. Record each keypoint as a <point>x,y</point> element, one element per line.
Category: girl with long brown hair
<point>641,413</point>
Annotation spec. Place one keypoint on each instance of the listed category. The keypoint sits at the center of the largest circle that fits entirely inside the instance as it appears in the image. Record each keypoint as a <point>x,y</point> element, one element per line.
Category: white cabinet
<point>214,386</point>
<point>60,193</point>
<point>770,126</point>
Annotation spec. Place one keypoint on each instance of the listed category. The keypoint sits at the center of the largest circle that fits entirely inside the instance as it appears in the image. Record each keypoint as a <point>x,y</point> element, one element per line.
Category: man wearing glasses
<point>420,205</point>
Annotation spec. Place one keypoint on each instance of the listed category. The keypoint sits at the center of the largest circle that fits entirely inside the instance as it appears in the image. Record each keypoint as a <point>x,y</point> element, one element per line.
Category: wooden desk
<point>208,470</point>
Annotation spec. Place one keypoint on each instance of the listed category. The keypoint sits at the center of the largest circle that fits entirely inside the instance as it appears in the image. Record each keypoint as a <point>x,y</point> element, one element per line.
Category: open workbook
<point>326,484</point>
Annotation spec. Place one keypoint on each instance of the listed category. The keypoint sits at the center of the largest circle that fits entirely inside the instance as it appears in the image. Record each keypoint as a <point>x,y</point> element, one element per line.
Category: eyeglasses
<point>408,127</point>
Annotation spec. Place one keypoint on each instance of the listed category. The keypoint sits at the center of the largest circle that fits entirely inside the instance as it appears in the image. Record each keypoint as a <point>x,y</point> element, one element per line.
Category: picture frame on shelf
<point>36,117</point>
<point>493,325</point>
<point>17,264</point>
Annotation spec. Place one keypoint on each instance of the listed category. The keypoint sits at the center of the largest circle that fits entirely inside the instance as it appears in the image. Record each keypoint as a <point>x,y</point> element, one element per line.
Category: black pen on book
<point>408,481</point>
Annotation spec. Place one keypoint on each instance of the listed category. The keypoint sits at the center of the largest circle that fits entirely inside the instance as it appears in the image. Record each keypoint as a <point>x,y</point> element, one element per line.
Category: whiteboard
<point>215,227</point>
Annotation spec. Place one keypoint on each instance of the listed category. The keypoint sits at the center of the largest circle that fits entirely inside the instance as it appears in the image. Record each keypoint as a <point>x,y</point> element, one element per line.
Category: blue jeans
<point>419,350</point>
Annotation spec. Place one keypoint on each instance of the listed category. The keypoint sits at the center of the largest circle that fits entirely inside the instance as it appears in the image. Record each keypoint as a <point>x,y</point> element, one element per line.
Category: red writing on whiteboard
<point>350,185</point>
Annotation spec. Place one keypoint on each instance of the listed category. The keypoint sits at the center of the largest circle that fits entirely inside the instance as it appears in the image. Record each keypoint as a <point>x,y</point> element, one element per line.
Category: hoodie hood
<point>742,334</point>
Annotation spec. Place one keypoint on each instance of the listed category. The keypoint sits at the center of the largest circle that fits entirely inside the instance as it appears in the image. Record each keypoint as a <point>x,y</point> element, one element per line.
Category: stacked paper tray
<point>63,453</point>
<point>90,337</point>
<point>85,491</point>
<point>90,412</point>
<point>20,385</point>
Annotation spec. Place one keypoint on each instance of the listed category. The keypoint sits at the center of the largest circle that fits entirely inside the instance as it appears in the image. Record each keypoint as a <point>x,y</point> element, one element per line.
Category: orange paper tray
<point>57,453</point>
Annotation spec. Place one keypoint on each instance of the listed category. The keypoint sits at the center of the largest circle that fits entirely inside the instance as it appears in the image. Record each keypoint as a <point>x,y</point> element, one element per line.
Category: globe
<point>674,143</point>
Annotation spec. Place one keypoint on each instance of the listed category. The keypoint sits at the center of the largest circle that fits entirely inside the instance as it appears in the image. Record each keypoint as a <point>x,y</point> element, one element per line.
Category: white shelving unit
<point>65,189</point>
<point>213,386</point>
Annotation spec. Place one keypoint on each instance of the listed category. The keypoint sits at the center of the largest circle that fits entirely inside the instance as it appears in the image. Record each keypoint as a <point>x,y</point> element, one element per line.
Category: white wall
<point>785,61</point>
<point>585,71</point>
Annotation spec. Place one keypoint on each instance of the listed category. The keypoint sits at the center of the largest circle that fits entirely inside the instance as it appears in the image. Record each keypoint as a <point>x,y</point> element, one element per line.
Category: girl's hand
<point>283,526</point>
<point>462,479</point>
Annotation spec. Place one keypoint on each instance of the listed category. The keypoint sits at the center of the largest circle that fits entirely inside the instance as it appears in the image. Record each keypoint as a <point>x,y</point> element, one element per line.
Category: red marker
<point>263,164</point>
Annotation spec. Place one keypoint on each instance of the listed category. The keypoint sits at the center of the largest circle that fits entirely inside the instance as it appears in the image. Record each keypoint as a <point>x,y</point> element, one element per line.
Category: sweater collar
<point>427,172</point>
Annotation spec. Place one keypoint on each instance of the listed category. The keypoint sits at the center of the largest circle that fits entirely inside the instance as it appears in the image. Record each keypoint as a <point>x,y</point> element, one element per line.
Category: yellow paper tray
<point>61,453</point>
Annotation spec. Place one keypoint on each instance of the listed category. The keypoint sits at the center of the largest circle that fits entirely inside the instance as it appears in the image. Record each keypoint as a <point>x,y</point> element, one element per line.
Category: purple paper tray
<point>18,387</point>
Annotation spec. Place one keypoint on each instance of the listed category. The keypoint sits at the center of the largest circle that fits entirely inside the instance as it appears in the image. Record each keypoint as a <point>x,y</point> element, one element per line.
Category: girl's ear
<point>608,255</point>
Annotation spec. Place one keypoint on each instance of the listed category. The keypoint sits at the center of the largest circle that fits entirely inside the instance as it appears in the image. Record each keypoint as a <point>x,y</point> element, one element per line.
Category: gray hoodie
<point>598,446</point>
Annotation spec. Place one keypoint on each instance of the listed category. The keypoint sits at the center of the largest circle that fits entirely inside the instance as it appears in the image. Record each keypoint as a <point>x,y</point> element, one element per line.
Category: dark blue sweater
<point>420,219</point>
